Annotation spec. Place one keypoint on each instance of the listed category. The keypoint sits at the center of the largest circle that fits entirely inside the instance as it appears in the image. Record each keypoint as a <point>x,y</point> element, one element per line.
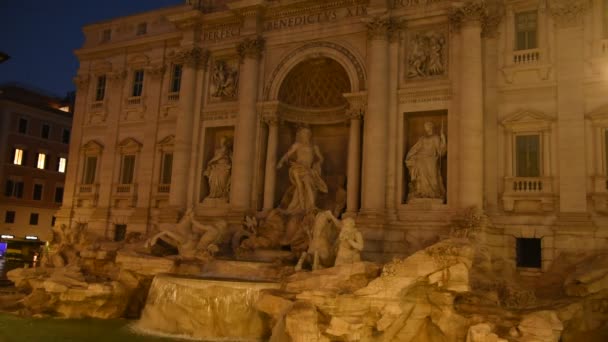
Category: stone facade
<point>525,128</point>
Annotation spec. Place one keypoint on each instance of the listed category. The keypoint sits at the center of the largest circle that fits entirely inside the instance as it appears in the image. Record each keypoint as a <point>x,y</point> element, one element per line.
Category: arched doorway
<point>311,95</point>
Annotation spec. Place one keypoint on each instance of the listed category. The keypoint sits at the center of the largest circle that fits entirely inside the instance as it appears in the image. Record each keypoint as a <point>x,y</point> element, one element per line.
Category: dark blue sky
<point>41,35</point>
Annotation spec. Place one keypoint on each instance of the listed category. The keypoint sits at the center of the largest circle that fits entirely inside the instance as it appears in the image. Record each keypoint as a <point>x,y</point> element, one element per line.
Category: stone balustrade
<point>173,97</point>
<point>528,185</point>
<point>134,100</point>
<point>125,189</point>
<point>524,57</point>
<point>163,188</point>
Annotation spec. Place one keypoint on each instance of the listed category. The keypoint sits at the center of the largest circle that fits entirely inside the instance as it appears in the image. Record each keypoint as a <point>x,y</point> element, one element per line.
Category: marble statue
<point>192,239</point>
<point>350,243</point>
<point>224,80</point>
<point>424,164</point>
<point>218,171</point>
<point>333,242</point>
<point>65,247</point>
<point>304,173</point>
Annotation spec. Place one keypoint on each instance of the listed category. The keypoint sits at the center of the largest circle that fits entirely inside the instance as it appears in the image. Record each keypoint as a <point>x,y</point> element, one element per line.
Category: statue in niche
<point>349,244</point>
<point>427,56</point>
<point>225,80</point>
<point>218,170</point>
<point>424,164</point>
<point>304,173</point>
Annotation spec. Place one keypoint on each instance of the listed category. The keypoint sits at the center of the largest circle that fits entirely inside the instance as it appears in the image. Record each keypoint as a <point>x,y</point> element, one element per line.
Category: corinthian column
<point>270,176</point>
<point>190,59</point>
<point>468,20</point>
<point>250,51</point>
<point>376,129</point>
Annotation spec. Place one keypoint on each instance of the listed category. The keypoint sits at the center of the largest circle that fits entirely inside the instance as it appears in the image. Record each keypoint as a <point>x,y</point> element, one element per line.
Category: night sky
<point>41,35</point>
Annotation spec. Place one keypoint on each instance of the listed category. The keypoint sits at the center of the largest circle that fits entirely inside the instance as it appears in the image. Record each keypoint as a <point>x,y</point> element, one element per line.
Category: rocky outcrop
<point>65,292</point>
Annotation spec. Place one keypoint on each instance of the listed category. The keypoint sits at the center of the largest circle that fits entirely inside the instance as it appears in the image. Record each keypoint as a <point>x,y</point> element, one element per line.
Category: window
<point>61,164</point>
<point>53,219</point>
<point>127,169</point>
<point>525,30</point>
<point>65,136</point>
<point>45,131</point>
<point>34,219</point>
<point>14,189</point>
<point>120,232</point>
<point>90,167</point>
<point>41,164</point>
<point>138,83</point>
<point>100,90</point>
<point>176,78</point>
<point>59,194</point>
<point>22,126</point>
<point>106,35</point>
<point>37,192</point>
<point>18,156</point>
<point>166,168</point>
<point>142,28</point>
<point>9,217</point>
<point>527,155</point>
<point>528,253</point>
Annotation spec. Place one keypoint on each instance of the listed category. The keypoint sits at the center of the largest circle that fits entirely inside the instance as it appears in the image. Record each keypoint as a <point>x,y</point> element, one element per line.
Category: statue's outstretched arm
<point>288,154</point>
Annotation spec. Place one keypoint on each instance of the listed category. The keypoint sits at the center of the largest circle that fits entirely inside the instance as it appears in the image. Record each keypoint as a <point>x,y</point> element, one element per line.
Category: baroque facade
<point>416,110</point>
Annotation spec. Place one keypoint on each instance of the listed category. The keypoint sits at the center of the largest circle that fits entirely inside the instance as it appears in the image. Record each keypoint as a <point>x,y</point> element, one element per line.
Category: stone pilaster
<point>191,59</point>
<point>375,130</point>
<point>270,175</point>
<point>568,19</point>
<point>250,51</point>
<point>467,20</point>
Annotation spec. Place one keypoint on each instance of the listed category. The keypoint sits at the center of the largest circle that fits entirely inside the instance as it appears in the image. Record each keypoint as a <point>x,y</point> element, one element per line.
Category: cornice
<point>120,47</point>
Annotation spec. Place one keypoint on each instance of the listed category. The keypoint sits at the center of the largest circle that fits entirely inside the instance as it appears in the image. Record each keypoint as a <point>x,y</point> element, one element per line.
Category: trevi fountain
<point>335,171</point>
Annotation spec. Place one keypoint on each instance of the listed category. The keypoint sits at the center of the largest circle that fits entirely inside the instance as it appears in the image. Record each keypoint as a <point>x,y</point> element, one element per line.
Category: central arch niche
<point>312,94</point>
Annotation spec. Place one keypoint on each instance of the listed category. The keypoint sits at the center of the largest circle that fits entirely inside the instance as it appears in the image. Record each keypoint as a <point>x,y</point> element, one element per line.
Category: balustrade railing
<point>524,57</point>
<point>528,185</point>
<point>163,188</point>
<point>173,97</point>
<point>134,100</point>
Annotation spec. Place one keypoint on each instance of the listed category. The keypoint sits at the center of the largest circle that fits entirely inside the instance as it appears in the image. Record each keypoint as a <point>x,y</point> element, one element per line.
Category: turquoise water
<point>19,329</point>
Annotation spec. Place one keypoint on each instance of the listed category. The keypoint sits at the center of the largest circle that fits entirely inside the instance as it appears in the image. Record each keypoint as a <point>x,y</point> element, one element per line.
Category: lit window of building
<point>18,156</point>
<point>41,164</point>
<point>62,164</point>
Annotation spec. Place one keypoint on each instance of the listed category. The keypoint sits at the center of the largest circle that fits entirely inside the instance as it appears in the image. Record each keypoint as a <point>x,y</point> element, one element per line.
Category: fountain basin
<point>206,309</point>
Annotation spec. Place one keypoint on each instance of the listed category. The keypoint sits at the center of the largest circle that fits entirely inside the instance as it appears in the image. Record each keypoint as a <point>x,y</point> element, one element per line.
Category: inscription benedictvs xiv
<point>314,18</point>
<point>413,3</point>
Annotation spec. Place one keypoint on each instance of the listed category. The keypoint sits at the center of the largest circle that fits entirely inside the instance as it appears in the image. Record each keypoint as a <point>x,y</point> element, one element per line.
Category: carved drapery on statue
<point>219,169</point>
<point>304,174</point>
<point>423,162</point>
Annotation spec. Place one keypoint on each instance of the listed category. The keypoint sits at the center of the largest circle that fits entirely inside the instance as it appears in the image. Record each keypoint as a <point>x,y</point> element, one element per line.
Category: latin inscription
<point>314,18</point>
<point>413,3</point>
<point>221,34</point>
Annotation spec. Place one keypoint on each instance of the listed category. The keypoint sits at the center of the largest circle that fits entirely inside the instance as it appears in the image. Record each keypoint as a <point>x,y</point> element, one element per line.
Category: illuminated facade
<point>34,138</point>
<point>512,94</point>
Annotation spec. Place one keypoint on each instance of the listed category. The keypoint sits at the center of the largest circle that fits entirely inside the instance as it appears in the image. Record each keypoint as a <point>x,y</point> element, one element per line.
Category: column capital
<point>381,27</point>
<point>81,81</point>
<point>568,13</point>
<point>271,120</point>
<point>251,48</point>
<point>357,105</point>
<point>478,12</point>
<point>190,56</point>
